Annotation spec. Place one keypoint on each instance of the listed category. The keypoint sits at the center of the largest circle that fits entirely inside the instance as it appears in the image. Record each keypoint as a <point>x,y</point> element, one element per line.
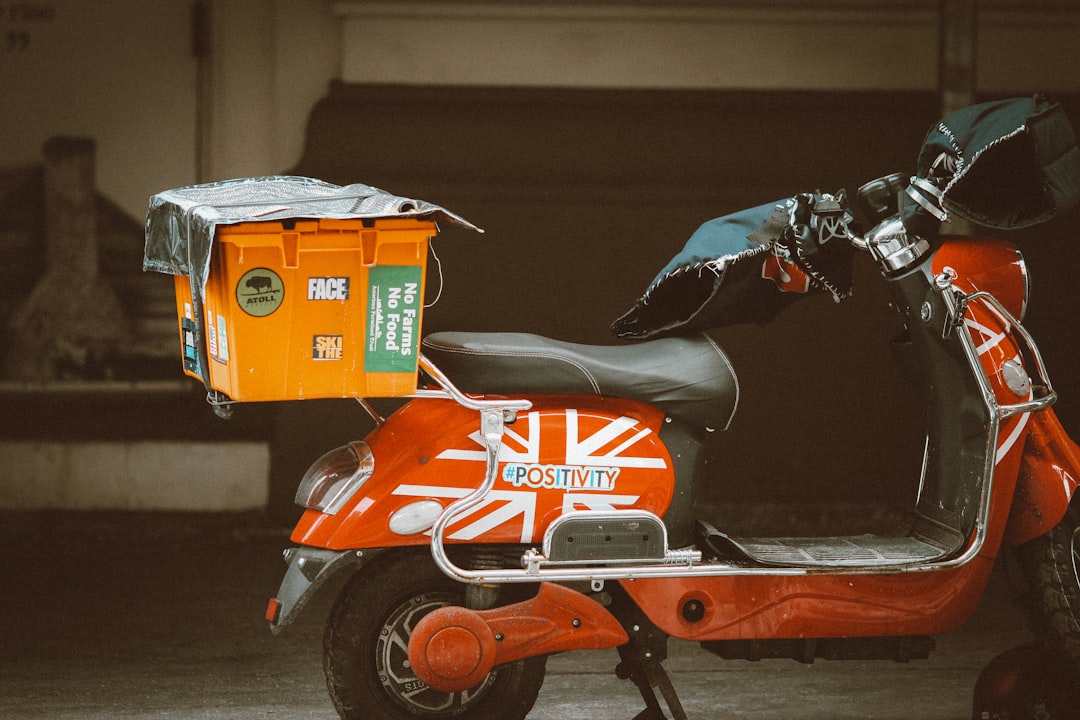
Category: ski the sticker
<point>327,347</point>
<point>393,318</point>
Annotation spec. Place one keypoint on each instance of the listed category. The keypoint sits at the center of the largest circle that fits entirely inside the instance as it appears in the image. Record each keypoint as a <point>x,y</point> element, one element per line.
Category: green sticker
<point>393,318</point>
<point>260,292</point>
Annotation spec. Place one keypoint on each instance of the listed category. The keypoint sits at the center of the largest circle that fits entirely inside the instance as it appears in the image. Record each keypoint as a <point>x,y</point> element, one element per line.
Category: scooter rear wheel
<point>1052,565</point>
<point>366,642</point>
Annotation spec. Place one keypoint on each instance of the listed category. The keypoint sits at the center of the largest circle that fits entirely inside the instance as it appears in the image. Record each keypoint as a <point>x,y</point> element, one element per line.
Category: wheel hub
<point>452,648</point>
<point>396,673</point>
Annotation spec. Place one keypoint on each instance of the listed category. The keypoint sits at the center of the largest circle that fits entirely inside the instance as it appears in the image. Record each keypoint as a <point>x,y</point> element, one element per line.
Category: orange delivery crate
<point>310,308</point>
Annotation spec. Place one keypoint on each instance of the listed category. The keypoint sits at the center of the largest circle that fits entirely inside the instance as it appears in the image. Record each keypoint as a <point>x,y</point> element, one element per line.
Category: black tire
<point>1052,566</point>
<point>365,654</point>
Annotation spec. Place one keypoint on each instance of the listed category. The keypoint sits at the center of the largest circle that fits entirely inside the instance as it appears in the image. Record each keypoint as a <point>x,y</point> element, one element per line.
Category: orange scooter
<point>537,496</point>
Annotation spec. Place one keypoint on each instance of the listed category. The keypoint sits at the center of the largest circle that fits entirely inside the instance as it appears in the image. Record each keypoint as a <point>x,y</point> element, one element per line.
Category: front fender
<point>1049,474</point>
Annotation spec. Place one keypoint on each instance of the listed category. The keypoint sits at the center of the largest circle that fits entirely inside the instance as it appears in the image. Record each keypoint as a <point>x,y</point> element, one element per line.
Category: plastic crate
<point>311,308</point>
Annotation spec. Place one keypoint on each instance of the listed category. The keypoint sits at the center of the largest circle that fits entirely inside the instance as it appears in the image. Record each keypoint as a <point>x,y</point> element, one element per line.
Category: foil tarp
<point>180,223</point>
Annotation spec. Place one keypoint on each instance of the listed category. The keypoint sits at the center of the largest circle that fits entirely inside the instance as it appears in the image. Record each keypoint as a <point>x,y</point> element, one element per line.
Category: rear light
<point>273,610</point>
<point>335,477</point>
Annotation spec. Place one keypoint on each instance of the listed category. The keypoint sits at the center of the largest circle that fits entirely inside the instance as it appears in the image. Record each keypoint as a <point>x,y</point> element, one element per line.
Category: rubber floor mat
<point>846,551</point>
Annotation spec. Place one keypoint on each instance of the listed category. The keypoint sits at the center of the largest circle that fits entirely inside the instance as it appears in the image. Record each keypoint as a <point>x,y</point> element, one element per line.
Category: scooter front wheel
<point>366,650</point>
<point>1052,565</point>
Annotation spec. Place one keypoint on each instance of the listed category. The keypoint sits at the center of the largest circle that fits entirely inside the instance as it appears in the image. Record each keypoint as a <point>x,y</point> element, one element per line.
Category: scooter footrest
<point>606,536</point>
<point>838,552</point>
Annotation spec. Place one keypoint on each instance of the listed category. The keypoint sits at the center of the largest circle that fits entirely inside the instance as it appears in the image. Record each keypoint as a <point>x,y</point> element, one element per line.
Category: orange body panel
<point>316,309</point>
<point>1050,470</point>
<point>990,265</point>
<point>1048,480</point>
<point>818,605</point>
<point>814,606</point>
<point>565,453</point>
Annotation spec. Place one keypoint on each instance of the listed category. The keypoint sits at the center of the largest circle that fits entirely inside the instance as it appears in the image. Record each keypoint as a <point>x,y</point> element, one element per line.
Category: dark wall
<point>586,194</point>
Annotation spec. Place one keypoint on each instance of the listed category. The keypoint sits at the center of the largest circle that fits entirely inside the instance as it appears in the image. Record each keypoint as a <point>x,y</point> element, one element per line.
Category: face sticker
<point>260,292</point>
<point>328,288</point>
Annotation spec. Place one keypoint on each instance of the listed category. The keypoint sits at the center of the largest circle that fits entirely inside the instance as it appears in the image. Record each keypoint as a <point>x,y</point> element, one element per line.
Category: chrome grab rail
<point>956,302</point>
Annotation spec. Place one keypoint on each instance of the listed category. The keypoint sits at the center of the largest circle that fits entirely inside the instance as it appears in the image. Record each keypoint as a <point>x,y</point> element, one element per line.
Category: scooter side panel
<point>989,265</point>
<point>1050,470</point>
<point>561,455</point>
<point>1049,476</point>
<point>815,605</point>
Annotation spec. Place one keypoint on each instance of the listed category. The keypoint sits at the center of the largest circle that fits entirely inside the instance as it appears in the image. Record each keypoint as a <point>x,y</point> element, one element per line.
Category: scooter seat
<point>689,378</point>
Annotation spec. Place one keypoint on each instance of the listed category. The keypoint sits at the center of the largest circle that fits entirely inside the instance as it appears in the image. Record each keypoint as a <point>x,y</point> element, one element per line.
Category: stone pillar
<point>71,324</point>
<point>70,218</point>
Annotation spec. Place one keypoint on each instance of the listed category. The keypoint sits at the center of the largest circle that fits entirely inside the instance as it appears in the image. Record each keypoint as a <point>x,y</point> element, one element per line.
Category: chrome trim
<point>929,198</point>
<point>1027,283</point>
<point>491,429</point>
<point>891,246</point>
<point>957,301</point>
<point>371,411</point>
<point>534,562</point>
<point>450,391</point>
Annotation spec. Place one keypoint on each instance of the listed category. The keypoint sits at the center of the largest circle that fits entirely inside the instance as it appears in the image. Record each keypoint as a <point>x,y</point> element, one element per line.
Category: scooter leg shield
<point>1048,480</point>
<point>454,648</point>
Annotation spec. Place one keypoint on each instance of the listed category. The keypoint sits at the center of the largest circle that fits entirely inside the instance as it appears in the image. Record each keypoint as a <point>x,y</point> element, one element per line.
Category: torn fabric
<point>745,268</point>
<point>1005,164</point>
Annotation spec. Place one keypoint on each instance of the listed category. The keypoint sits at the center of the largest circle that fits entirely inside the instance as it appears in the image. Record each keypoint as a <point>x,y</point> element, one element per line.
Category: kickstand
<point>648,674</point>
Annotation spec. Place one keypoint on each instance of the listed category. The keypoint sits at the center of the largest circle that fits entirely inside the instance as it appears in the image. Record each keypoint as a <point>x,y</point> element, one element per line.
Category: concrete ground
<point>160,617</point>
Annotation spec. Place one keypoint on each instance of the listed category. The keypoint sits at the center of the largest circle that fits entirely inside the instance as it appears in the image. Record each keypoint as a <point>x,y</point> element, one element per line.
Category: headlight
<point>335,477</point>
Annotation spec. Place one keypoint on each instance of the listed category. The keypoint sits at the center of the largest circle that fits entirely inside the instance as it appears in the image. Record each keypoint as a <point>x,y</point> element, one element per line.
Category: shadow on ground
<point>160,616</point>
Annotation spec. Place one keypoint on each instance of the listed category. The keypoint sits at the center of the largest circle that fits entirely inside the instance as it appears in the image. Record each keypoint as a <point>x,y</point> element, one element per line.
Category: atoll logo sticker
<point>260,292</point>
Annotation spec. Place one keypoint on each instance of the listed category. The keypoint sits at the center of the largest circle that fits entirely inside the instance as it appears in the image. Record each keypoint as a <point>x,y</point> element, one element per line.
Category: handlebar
<point>823,218</point>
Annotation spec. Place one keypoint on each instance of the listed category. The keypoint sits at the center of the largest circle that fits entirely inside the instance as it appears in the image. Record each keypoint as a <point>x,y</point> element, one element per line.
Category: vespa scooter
<point>537,496</point>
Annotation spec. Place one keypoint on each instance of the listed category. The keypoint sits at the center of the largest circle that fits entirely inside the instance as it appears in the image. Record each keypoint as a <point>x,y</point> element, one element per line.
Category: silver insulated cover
<point>180,223</point>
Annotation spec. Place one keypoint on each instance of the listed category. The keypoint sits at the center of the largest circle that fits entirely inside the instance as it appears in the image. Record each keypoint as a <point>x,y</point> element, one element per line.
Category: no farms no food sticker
<point>393,318</point>
<point>260,292</point>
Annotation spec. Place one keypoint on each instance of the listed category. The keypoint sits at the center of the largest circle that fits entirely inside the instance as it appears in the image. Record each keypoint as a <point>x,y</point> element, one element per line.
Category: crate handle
<point>290,249</point>
<point>369,243</point>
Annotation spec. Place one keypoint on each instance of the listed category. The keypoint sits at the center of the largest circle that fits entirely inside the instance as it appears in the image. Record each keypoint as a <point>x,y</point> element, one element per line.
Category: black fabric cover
<point>1004,164</point>
<point>745,268</point>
